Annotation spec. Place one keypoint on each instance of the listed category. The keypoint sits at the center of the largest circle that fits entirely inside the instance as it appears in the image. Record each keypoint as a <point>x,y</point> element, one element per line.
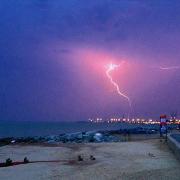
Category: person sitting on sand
<point>80,158</point>
<point>8,162</point>
<point>26,160</point>
<point>92,157</point>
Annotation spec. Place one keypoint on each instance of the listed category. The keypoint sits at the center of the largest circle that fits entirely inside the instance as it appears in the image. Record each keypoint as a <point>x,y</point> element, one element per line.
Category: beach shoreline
<point>122,160</point>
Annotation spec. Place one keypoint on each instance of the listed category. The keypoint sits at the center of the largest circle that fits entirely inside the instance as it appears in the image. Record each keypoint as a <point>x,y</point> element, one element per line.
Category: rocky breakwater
<point>79,137</point>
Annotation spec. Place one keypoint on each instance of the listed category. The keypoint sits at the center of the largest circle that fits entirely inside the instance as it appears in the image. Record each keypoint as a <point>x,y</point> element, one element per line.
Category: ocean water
<point>25,129</point>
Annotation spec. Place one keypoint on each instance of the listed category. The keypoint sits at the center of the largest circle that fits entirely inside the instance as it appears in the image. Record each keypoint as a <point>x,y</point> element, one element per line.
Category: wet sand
<point>150,159</point>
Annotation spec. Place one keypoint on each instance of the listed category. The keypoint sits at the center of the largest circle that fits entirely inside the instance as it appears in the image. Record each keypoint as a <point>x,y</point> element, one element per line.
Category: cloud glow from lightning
<point>104,65</point>
<point>112,67</point>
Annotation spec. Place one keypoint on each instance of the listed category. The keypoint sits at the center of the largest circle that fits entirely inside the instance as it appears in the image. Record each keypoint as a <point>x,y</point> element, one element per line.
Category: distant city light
<point>130,121</point>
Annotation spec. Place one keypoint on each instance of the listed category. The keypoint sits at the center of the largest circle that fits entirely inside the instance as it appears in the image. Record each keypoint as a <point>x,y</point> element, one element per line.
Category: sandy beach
<point>150,159</point>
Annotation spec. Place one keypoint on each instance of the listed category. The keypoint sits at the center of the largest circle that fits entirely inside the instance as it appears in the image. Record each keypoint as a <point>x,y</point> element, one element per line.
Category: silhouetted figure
<point>151,155</point>
<point>26,160</point>
<point>92,158</point>
<point>80,158</point>
<point>8,162</point>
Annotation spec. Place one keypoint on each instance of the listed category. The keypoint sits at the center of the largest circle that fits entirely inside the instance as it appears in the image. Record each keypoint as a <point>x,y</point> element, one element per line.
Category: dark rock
<point>5,141</point>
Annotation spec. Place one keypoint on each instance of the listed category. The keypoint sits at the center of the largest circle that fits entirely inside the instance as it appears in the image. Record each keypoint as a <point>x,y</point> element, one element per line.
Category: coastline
<point>120,135</point>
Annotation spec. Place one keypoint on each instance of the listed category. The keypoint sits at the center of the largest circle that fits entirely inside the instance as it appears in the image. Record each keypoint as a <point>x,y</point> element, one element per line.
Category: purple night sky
<point>54,56</point>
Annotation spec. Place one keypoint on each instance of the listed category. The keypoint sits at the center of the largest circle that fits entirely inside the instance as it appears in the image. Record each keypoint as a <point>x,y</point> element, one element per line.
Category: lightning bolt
<point>169,68</point>
<point>111,68</point>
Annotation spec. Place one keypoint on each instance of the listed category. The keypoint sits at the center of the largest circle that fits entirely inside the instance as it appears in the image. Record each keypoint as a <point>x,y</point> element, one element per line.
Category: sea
<point>30,129</point>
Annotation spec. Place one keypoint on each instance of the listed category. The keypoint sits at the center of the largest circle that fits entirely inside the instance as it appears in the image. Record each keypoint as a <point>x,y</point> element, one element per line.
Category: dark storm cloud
<point>35,33</point>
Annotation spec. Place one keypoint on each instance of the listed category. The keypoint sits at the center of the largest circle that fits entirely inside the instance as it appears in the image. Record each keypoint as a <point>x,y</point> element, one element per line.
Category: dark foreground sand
<point>149,159</point>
